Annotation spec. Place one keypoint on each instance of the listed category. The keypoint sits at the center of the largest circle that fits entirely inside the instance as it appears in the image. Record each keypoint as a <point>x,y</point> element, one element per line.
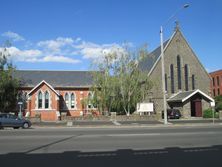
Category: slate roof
<point>183,96</point>
<point>31,78</point>
<point>180,96</point>
<point>148,62</point>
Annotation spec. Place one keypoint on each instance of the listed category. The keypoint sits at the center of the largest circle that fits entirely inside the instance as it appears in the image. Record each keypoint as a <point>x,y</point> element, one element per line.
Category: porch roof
<point>183,96</point>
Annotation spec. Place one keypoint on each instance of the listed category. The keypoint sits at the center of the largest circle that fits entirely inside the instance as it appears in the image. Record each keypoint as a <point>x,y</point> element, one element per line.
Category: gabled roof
<point>148,62</point>
<point>183,96</point>
<point>30,78</point>
<point>47,85</point>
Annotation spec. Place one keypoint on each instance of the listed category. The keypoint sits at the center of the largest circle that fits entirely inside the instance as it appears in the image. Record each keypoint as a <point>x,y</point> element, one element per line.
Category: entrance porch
<point>190,103</point>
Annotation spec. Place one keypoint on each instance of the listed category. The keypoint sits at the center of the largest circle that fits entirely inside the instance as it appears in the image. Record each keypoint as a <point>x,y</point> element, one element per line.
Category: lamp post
<point>212,104</point>
<point>162,62</point>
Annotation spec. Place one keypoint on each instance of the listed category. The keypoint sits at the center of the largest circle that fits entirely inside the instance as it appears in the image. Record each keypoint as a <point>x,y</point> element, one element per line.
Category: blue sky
<point>69,34</point>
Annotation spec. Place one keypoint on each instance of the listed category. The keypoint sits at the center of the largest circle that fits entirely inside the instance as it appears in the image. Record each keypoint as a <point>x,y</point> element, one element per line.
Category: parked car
<point>10,120</point>
<point>172,114</point>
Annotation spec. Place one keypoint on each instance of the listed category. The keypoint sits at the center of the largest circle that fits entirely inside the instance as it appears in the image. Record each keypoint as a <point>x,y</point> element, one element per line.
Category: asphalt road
<point>168,146</point>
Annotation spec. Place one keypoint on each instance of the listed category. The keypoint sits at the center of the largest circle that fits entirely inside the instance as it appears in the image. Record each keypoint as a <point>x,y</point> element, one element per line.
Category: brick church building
<point>187,84</point>
<point>51,93</point>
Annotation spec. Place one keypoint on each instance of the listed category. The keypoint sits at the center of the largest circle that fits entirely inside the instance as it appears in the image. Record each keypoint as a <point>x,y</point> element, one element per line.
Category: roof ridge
<point>60,70</point>
<point>215,71</point>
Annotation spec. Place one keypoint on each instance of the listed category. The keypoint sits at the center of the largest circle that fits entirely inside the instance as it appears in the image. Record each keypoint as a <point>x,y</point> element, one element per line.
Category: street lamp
<point>162,61</point>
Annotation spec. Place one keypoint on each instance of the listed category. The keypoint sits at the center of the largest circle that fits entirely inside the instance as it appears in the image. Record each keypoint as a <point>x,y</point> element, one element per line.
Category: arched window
<point>46,99</point>
<point>40,100</point>
<point>90,97</point>
<point>172,78</point>
<point>25,100</point>
<point>214,93</point>
<point>213,81</point>
<point>179,71</point>
<point>193,82</point>
<point>67,100</point>
<point>166,82</point>
<point>73,100</point>
<point>186,75</point>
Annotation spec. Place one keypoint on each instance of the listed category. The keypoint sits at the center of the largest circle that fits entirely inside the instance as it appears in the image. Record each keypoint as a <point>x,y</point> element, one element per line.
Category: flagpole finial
<point>177,27</point>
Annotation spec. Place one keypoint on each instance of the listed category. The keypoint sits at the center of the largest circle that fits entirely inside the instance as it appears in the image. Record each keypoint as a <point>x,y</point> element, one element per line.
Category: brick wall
<point>57,103</point>
<point>216,83</point>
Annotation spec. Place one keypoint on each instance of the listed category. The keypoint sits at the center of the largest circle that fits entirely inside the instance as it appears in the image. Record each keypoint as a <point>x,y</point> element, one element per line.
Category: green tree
<point>218,103</point>
<point>8,85</point>
<point>121,84</point>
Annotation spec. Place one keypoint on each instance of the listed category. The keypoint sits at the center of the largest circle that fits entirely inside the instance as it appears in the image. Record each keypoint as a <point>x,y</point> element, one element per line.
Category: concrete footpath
<point>153,123</point>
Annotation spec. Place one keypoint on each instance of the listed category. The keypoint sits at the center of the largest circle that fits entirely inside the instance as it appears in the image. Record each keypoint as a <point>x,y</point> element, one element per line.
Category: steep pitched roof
<point>30,78</point>
<point>148,62</point>
<point>152,59</point>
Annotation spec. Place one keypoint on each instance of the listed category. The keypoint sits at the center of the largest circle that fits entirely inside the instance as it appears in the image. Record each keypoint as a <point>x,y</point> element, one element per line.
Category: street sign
<point>212,104</point>
<point>20,103</point>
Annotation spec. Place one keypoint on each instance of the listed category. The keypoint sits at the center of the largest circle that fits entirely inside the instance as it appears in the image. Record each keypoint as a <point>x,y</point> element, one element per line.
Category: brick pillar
<point>57,105</point>
<point>29,107</point>
<point>58,110</point>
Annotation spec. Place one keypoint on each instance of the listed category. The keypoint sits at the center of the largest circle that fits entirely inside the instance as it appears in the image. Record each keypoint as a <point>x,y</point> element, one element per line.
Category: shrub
<point>208,113</point>
<point>218,101</point>
<point>218,106</point>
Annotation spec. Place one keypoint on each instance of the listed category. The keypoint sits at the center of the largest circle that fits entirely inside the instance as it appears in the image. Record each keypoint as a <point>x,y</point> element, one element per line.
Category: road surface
<point>165,146</point>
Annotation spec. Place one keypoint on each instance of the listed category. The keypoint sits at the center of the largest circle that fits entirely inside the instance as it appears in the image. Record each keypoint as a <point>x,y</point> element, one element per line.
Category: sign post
<point>20,109</point>
<point>212,104</point>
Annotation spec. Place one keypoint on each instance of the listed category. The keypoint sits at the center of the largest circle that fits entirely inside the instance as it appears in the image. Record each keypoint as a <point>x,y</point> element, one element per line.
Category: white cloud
<point>22,55</point>
<point>93,51</point>
<point>70,46</point>
<point>56,45</point>
<point>36,56</point>
<point>60,59</point>
<point>14,36</point>
<point>62,49</point>
<point>78,39</point>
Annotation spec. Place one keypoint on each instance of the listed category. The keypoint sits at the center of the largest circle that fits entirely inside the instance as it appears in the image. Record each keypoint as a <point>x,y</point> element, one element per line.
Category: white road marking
<point>148,134</point>
<point>116,123</point>
<point>98,155</point>
<point>200,150</point>
<point>151,152</point>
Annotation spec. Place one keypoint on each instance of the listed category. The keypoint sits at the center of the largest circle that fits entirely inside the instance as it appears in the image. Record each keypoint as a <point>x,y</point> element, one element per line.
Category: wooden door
<point>196,106</point>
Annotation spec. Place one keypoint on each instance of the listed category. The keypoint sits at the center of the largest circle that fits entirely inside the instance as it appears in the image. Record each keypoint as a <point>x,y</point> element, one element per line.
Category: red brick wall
<point>79,94</point>
<point>56,102</point>
<point>46,114</point>
<point>216,87</point>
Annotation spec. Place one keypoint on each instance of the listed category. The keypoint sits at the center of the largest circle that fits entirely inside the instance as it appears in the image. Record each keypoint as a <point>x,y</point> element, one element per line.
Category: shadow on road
<point>173,157</point>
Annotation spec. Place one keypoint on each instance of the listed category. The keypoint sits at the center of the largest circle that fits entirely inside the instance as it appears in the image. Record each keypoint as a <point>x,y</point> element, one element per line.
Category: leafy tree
<point>8,85</point>
<point>218,103</point>
<point>121,84</point>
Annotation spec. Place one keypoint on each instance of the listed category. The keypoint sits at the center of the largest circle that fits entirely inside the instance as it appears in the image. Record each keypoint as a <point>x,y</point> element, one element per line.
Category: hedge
<point>208,113</point>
